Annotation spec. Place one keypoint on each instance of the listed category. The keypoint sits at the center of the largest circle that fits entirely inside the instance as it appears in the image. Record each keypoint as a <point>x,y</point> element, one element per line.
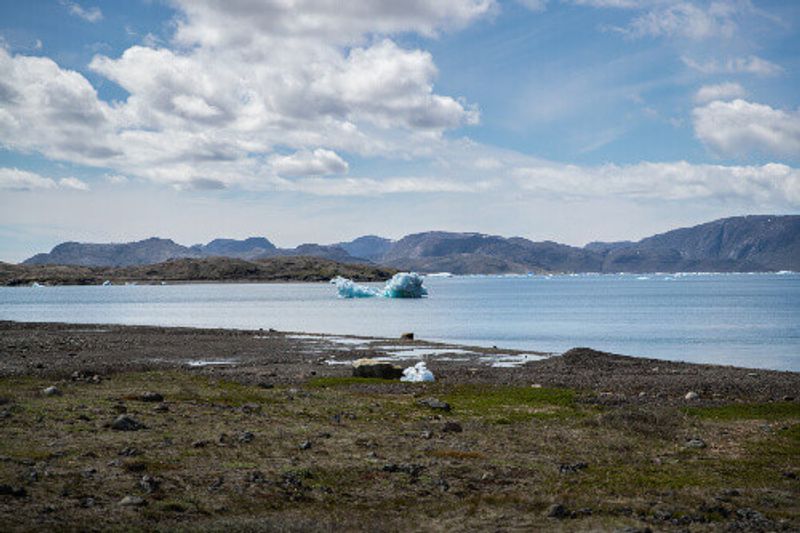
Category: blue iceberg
<point>402,285</point>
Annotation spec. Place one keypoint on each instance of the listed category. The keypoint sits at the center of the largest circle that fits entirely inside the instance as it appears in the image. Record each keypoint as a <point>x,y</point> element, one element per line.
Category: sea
<point>749,320</point>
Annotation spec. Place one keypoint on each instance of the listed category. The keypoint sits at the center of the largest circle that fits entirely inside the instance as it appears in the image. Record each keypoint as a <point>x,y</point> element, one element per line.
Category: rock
<point>255,477</point>
<point>433,403</point>
<point>266,385</point>
<point>696,443</point>
<point>161,408</point>
<point>246,437</point>
<point>691,395</point>
<point>452,427</point>
<point>52,391</point>
<point>305,445</point>
<point>413,470</point>
<point>149,484</point>
<point>407,336</point>
<point>87,502</point>
<point>16,492</point>
<point>557,511</point>
<point>126,423</point>
<point>132,501</point>
<point>427,435</point>
<point>566,468</point>
<point>370,368</point>
<point>129,452</point>
<point>217,484</point>
<point>200,444</point>
<point>150,396</point>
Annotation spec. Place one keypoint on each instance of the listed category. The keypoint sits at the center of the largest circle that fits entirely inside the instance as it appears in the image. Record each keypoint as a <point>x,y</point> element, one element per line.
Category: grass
<point>747,411</point>
<point>502,471</point>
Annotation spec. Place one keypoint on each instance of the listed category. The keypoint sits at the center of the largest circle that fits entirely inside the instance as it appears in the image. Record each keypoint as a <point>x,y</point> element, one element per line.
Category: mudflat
<point>112,427</point>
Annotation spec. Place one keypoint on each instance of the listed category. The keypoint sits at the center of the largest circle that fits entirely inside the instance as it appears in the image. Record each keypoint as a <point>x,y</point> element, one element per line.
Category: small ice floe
<point>107,283</point>
<point>418,353</point>
<point>206,362</point>
<point>417,373</point>
<point>36,285</point>
<point>510,360</point>
<point>642,278</point>
<point>402,285</point>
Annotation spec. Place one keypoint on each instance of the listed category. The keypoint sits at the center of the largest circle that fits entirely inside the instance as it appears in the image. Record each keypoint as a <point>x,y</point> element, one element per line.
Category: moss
<point>747,411</point>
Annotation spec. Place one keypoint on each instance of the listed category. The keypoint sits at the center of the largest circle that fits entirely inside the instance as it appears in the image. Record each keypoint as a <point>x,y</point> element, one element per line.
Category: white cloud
<point>320,162</point>
<point>533,5</point>
<point>116,179</point>
<point>736,65</point>
<point>73,183</point>
<point>15,179</point>
<point>721,91</point>
<point>622,4</point>
<point>741,128</point>
<point>677,181</point>
<point>92,14</point>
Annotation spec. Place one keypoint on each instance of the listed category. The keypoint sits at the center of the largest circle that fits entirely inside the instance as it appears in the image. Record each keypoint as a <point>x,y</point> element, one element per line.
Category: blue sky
<point>569,120</point>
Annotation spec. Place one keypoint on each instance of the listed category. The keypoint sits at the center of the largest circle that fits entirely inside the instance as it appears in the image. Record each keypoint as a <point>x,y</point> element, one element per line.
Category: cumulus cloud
<point>741,128</point>
<point>320,162</point>
<point>735,65</point>
<point>720,91</point>
<point>92,14</point>
<point>73,183</point>
<point>772,182</point>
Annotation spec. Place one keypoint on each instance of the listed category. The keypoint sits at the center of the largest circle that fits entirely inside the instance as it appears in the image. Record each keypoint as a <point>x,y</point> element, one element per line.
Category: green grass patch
<point>506,405</point>
<point>348,381</point>
<point>747,411</point>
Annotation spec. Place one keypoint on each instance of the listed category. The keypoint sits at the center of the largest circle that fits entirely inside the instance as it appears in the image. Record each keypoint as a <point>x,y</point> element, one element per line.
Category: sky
<point>320,120</point>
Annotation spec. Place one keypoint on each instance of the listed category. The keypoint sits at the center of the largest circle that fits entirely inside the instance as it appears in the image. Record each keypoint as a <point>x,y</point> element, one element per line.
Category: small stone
<point>407,336</point>
<point>149,484</point>
<point>217,484</point>
<point>305,445</point>
<point>132,501</point>
<point>86,503</point>
<point>427,435</point>
<point>434,403</point>
<point>161,408</point>
<point>150,396</point>
<point>266,385</point>
<point>566,468</point>
<point>129,452</point>
<point>255,477</point>
<point>691,395</point>
<point>126,423</point>
<point>200,444</point>
<point>696,443</point>
<point>788,398</point>
<point>557,511</point>
<point>452,427</point>
<point>52,391</point>
<point>246,436</point>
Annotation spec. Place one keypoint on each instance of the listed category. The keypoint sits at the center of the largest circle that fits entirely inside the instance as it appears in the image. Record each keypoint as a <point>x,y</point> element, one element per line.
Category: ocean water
<point>750,320</point>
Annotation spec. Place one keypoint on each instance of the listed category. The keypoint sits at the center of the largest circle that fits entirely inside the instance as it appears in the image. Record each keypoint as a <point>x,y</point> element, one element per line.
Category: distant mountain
<point>245,249</point>
<point>369,247</point>
<point>749,243</point>
<point>148,251</point>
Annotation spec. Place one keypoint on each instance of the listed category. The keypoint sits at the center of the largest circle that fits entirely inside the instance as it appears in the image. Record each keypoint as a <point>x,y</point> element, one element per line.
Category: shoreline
<point>251,353</point>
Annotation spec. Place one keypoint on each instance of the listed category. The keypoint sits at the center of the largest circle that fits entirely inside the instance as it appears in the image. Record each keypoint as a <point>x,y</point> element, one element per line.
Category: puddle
<point>510,360</point>
<point>200,362</point>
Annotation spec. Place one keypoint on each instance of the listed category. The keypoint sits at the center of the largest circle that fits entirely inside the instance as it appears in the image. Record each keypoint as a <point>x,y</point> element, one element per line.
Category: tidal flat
<point>112,428</point>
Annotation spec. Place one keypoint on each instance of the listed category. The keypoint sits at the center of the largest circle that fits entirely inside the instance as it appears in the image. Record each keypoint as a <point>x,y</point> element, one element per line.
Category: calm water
<point>746,320</point>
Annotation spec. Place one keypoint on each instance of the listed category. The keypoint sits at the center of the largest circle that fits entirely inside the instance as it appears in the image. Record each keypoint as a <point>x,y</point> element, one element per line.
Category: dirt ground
<point>263,430</point>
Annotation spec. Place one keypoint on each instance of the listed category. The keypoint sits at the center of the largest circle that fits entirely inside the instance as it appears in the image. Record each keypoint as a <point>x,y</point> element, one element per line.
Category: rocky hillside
<point>297,268</point>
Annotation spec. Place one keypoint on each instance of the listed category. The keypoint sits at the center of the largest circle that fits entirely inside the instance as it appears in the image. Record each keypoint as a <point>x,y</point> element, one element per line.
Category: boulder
<point>126,423</point>
<point>370,368</point>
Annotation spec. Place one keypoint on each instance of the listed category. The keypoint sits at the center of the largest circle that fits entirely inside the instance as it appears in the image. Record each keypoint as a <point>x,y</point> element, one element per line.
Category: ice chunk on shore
<point>402,285</point>
<point>417,373</point>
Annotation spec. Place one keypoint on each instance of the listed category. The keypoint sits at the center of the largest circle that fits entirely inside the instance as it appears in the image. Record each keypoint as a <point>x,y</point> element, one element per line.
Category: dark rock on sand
<point>557,511</point>
<point>370,368</point>
<point>149,484</point>
<point>434,403</point>
<point>567,468</point>
<point>150,396</point>
<point>126,423</point>
<point>452,427</point>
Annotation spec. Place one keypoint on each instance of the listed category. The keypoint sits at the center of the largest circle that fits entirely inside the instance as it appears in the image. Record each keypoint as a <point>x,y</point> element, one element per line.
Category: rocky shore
<point>108,426</point>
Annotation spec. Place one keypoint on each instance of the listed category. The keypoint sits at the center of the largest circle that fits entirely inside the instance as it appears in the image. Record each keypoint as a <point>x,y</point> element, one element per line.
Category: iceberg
<point>402,285</point>
<point>417,373</point>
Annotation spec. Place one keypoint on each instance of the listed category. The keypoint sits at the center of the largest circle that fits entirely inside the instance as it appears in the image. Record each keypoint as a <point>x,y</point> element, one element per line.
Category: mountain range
<point>747,243</point>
